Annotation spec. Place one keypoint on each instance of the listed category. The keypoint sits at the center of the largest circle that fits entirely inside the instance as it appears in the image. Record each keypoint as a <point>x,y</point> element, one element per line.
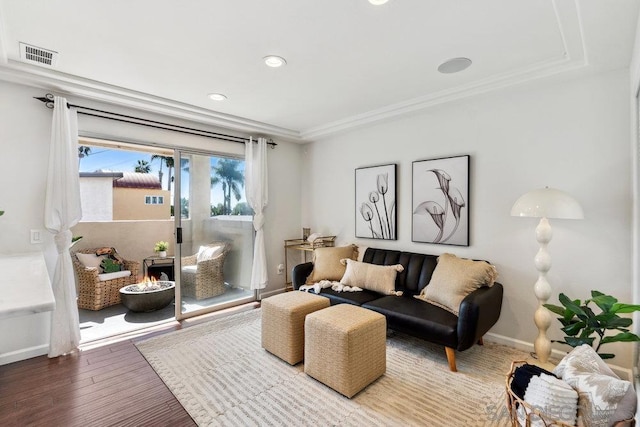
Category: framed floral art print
<point>376,202</point>
<point>440,201</point>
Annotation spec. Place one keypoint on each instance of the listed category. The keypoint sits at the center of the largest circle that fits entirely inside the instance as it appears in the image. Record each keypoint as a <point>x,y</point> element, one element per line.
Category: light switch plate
<point>36,236</point>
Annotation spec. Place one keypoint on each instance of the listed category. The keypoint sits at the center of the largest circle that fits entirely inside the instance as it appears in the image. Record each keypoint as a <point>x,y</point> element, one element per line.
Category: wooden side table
<point>306,247</point>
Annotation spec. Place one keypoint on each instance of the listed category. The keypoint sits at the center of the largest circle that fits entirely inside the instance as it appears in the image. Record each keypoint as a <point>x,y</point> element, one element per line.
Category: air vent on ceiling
<point>38,55</point>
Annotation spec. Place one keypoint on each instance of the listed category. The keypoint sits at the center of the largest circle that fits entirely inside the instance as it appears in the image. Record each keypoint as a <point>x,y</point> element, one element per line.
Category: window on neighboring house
<point>154,200</point>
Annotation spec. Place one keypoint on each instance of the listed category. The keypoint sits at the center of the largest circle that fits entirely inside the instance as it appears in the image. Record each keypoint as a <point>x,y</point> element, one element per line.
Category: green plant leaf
<point>575,342</point>
<point>555,309</point>
<point>618,322</point>
<point>625,308</point>
<point>573,306</point>
<point>604,302</point>
<point>621,337</point>
<point>606,355</point>
<point>573,329</point>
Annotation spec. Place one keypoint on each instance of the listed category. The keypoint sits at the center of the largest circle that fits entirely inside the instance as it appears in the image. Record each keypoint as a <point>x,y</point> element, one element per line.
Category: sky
<point>126,161</point>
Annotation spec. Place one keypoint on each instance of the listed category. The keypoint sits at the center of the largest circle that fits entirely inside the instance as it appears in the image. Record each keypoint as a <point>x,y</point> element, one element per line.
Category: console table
<point>153,266</point>
<point>306,247</point>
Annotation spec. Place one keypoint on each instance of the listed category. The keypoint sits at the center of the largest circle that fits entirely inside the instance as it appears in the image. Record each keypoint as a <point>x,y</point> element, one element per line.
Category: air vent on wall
<point>38,55</point>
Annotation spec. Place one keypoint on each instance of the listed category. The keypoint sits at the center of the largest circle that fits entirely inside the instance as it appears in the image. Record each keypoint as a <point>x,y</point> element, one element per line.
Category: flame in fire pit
<point>148,284</point>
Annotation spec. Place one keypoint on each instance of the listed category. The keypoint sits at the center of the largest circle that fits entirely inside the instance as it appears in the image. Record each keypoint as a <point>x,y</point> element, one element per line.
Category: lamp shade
<point>547,203</point>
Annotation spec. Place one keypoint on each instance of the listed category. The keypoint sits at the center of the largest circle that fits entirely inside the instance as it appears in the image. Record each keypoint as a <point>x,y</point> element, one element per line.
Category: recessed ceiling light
<point>217,96</point>
<point>454,65</point>
<point>274,61</point>
<point>378,2</point>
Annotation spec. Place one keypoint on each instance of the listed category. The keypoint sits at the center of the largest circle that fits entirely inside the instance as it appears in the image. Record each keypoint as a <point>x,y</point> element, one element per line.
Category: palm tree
<point>83,151</point>
<point>226,172</point>
<point>168,161</point>
<point>143,167</point>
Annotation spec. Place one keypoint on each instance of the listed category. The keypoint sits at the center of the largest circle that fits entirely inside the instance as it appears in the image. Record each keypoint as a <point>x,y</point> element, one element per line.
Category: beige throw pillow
<point>454,278</point>
<point>326,263</point>
<point>378,278</point>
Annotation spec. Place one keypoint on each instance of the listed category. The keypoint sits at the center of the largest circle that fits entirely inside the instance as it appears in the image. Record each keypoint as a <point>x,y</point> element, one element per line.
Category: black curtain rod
<point>48,100</point>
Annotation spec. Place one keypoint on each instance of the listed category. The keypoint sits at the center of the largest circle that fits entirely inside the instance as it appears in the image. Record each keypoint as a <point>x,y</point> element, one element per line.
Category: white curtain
<point>63,211</point>
<point>255,173</point>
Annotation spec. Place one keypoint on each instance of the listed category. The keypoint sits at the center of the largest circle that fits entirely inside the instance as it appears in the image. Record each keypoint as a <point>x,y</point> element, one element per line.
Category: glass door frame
<point>178,153</point>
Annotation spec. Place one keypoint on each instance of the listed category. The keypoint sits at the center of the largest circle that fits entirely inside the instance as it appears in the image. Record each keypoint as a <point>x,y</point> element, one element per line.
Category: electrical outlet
<point>36,236</point>
<point>280,268</point>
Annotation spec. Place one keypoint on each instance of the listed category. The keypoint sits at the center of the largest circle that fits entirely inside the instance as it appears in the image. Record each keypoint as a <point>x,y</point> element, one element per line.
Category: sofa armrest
<point>479,311</point>
<point>299,274</point>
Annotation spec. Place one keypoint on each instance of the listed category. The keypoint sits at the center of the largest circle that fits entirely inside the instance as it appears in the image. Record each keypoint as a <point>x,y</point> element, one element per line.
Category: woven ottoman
<point>345,347</point>
<point>283,323</point>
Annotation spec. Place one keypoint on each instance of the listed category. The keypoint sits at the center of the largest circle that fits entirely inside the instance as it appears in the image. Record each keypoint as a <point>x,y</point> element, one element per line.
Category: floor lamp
<point>545,203</point>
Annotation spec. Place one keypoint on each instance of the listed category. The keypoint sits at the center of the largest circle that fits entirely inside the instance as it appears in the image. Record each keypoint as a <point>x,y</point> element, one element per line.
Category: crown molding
<point>570,29</point>
<point>568,20</point>
<point>70,85</point>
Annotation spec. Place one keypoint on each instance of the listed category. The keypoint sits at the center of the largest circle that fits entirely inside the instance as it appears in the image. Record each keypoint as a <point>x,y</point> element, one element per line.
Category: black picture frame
<point>375,202</point>
<point>440,201</point>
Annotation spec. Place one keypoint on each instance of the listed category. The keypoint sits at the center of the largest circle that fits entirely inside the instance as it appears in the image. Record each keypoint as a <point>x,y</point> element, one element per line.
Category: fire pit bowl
<point>148,296</point>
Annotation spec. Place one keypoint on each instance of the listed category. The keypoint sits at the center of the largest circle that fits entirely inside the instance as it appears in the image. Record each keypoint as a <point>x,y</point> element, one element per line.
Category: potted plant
<point>582,325</point>
<point>161,248</point>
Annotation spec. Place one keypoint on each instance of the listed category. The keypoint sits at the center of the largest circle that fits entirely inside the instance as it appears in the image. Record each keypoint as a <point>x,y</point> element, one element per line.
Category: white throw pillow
<point>90,260</point>
<point>378,278</point>
<point>208,252</point>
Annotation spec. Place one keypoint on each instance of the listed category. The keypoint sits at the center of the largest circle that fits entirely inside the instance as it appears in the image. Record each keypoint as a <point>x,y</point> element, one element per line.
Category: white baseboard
<point>23,354</point>
<point>264,295</point>
<point>623,373</point>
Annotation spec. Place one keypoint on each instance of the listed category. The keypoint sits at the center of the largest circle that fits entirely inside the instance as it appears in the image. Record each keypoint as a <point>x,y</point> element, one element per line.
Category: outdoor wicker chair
<point>202,273</point>
<point>97,291</point>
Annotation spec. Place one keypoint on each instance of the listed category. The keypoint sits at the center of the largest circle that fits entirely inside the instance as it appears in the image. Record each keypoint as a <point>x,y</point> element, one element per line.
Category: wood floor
<point>107,386</point>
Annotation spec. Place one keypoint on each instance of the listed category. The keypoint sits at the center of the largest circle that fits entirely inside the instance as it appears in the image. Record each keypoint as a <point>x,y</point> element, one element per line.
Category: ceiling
<point>349,63</point>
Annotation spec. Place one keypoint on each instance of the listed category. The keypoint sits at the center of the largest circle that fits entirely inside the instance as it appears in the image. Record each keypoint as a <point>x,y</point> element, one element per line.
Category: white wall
<point>571,135</point>
<point>24,147</point>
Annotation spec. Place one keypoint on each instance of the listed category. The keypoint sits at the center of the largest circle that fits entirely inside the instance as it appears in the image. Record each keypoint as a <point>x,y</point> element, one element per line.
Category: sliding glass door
<point>214,233</point>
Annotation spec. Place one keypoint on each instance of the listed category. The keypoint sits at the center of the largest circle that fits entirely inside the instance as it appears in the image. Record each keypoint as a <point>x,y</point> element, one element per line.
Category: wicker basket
<point>94,294</point>
<point>532,416</point>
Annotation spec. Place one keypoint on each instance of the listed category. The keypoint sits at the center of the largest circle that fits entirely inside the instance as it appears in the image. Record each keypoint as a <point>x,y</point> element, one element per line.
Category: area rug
<point>222,376</point>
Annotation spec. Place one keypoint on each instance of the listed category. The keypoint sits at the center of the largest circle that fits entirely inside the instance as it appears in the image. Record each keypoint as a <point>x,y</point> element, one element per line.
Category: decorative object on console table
<point>440,197</point>
<point>307,245</point>
<point>545,203</point>
<point>376,202</point>
<point>161,248</point>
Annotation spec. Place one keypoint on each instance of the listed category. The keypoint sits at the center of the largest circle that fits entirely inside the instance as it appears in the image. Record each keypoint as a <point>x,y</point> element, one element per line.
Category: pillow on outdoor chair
<point>208,252</point>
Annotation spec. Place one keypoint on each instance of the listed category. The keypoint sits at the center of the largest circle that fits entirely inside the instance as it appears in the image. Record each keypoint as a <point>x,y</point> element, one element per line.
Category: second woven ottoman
<point>283,323</point>
<point>345,347</point>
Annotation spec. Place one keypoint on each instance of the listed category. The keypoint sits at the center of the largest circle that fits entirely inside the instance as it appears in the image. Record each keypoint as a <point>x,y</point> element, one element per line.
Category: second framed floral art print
<point>376,202</point>
<point>440,199</point>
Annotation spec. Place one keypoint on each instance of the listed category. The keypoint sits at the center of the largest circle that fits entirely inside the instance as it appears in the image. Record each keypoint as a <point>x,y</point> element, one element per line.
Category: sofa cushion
<point>406,314</point>
<point>377,278</point>
<point>454,278</point>
<point>355,298</point>
<point>112,276</point>
<point>326,263</point>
